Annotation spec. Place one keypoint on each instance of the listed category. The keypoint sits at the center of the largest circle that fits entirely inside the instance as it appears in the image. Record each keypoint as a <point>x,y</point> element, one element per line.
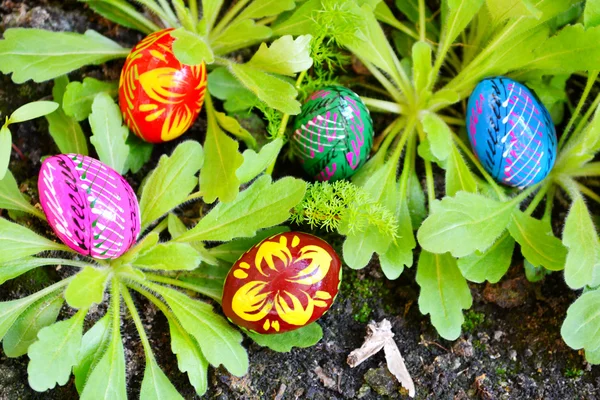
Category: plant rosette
<point>283,283</point>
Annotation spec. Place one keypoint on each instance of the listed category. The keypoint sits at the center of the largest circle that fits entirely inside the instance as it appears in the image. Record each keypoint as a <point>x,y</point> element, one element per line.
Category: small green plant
<point>163,272</point>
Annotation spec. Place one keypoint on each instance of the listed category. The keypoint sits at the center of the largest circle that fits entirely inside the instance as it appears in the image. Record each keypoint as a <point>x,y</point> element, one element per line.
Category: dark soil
<point>510,347</point>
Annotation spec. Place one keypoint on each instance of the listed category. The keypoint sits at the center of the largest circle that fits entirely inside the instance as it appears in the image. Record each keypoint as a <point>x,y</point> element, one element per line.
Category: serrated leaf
<point>458,175</point>
<point>42,55</point>
<point>232,126</point>
<point>65,130</point>
<point>11,197</point>
<point>239,35</point>
<point>16,242</point>
<point>463,224</point>
<point>233,249</point>
<point>169,257</point>
<point>501,10</point>
<point>538,244</point>
<point>581,326</point>
<point>490,265</point>
<point>581,238</point>
<point>250,211</point>
<point>110,135</point>
<point>358,248</point>
<point>155,384</point>
<point>5,147</point>
<point>25,329</point>
<point>255,163</point>
<point>400,252</point>
<point>440,138</point>
<point>190,359</point>
<point>122,13</point>
<point>444,293</point>
<point>277,93</point>
<point>286,56</point>
<point>55,353</point>
<point>307,336</point>
<point>421,57</point>
<point>171,182</point>
<point>92,348</point>
<point>217,177</point>
<point>220,342</point>
<point>32,110</point>
<point>79,96</point>
<point>87,287</point>
<point>224,86</point>
<point>140,152</point>
<point>591,13</point>
<point>191,49</point>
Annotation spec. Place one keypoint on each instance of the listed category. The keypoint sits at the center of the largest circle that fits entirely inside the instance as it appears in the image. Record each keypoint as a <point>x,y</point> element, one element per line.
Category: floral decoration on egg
<point>90,207</point>
<point>283,283</point>
<point>333,135</point>
<point>511,132</point>
<point>160,97</point>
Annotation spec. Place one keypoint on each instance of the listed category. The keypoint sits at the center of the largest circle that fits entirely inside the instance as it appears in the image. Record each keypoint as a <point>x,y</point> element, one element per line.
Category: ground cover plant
<point>422,66</point>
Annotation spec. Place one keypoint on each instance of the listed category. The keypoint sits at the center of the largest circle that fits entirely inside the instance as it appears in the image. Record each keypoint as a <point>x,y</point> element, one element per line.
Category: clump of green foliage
<point>164,273</point>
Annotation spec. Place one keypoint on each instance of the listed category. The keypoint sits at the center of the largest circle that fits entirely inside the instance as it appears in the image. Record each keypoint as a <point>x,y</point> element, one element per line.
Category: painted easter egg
<point>511,132</point>
<point>283,283</point>
<point>159,96</point>
<point>333,134</point>
<point>90,207</point>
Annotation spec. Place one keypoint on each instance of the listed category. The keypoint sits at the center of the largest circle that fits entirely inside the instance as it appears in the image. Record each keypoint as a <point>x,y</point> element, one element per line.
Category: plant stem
<point>524,194</point>
<point>194,10</point>
<point>229,15</point>
<point>36,213</point>
<point>137,321</point>
<point>428,172</point>
<point>588,87</point>
<point>586,116</point>
<point>377,105</point>
<point>589,169</point>
<point>69,263</point>
<point>156,9</point>
<point>453,120</point>
<point>549,203</point>
<point>588,192</point>
<point>422,24</point>
<point>266,20</point>
<point>384,140</point>
<point>169,11</point>
<point>161,226</point>
<point>149,25</point>
<point>158,303</point>
<point>194,196</point>
<point>185,285</point>
<point>385,82</point>
<point>537,199</point>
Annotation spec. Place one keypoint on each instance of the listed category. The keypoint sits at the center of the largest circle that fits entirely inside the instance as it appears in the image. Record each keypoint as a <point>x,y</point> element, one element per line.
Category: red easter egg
<point>283,283</point>
<point>160,97</point>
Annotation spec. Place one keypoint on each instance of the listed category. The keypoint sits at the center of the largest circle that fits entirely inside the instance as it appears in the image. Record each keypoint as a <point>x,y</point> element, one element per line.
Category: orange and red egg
<point>160,97</point>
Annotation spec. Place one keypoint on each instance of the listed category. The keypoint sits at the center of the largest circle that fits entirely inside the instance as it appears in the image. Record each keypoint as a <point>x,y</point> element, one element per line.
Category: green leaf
<point>250,211</point>
<point>156,385</point>
<point>189,357</point>
<point>581,326</point>
<point>266,8</point>
<point>232,126</point>
<point>501,10</point>
<point>79,97</point>
<point>233,249</point>
<point>5,147</point>
<point>286,56</point>
<point>440,139</point>
<point>87,287</point>
<point>301,21</point>
<point>93,346</point>
<point>421,56</point>
<point>591,13</point>
<point>110,135</point>
<point>191,49</point>
<point>11,197</point>
<point>400,252</point>
<point>107,379</point>
<point>219,341</point>
<point>43,55</point>
<point>460,13</point>
<point>140,152</point>
<point>55,353</point>
<point>533,273</point>
<point>122,13</point>
<point>12,269</point>
<point>443,98</point>
<point>217,177</point>
<point>32,110</point>
<point>416,200</point>
<point>277,93</point>
<point>210,11</point>
<point>458,175</point>
<point>581,238</point>
<point>307,336</point>
<point>16,242</point>
<point>538,244</point>
<point>224,86</point>
<point>239,35</point>
<point>444,293</point>
<point>580,149</point>
<point>169,257</point>
<point>171,182</point>
<point>463,224</point>
<point>572,49</point>
<point>25,329</point>
<point>65,130</point>
<point>490,265</point>
<point>359,247</point>
<point>255,163</point>
<point>207,279</point>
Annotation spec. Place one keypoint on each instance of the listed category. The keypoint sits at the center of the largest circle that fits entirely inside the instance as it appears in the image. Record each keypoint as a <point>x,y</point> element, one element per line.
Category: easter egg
<point>511,132</point>
<point>333,134</point>
<point>90,207</point>
<point>283,283</point>
<point>160,97</point>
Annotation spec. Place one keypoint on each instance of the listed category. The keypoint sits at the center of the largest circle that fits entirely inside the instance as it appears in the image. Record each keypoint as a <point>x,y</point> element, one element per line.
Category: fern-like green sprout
<point>342,204</point>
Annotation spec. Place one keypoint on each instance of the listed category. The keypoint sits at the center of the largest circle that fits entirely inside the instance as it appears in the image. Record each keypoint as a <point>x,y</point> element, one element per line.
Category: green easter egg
<point>333,134</point>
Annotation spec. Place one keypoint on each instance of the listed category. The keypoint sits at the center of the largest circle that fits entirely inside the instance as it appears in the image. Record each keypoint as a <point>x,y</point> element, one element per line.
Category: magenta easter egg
<point>90,206</point>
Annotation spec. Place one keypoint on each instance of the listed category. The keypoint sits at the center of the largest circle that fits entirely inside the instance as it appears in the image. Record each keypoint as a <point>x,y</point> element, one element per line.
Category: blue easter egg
<point>511,132</point>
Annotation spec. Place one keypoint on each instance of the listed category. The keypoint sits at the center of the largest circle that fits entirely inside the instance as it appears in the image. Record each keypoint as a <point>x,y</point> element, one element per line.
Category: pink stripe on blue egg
<point>90,207</point>
<point>511,132</point>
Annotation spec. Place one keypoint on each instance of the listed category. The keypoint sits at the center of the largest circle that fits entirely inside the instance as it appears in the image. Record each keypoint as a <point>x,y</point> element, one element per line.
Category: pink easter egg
<point>90,207</point>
